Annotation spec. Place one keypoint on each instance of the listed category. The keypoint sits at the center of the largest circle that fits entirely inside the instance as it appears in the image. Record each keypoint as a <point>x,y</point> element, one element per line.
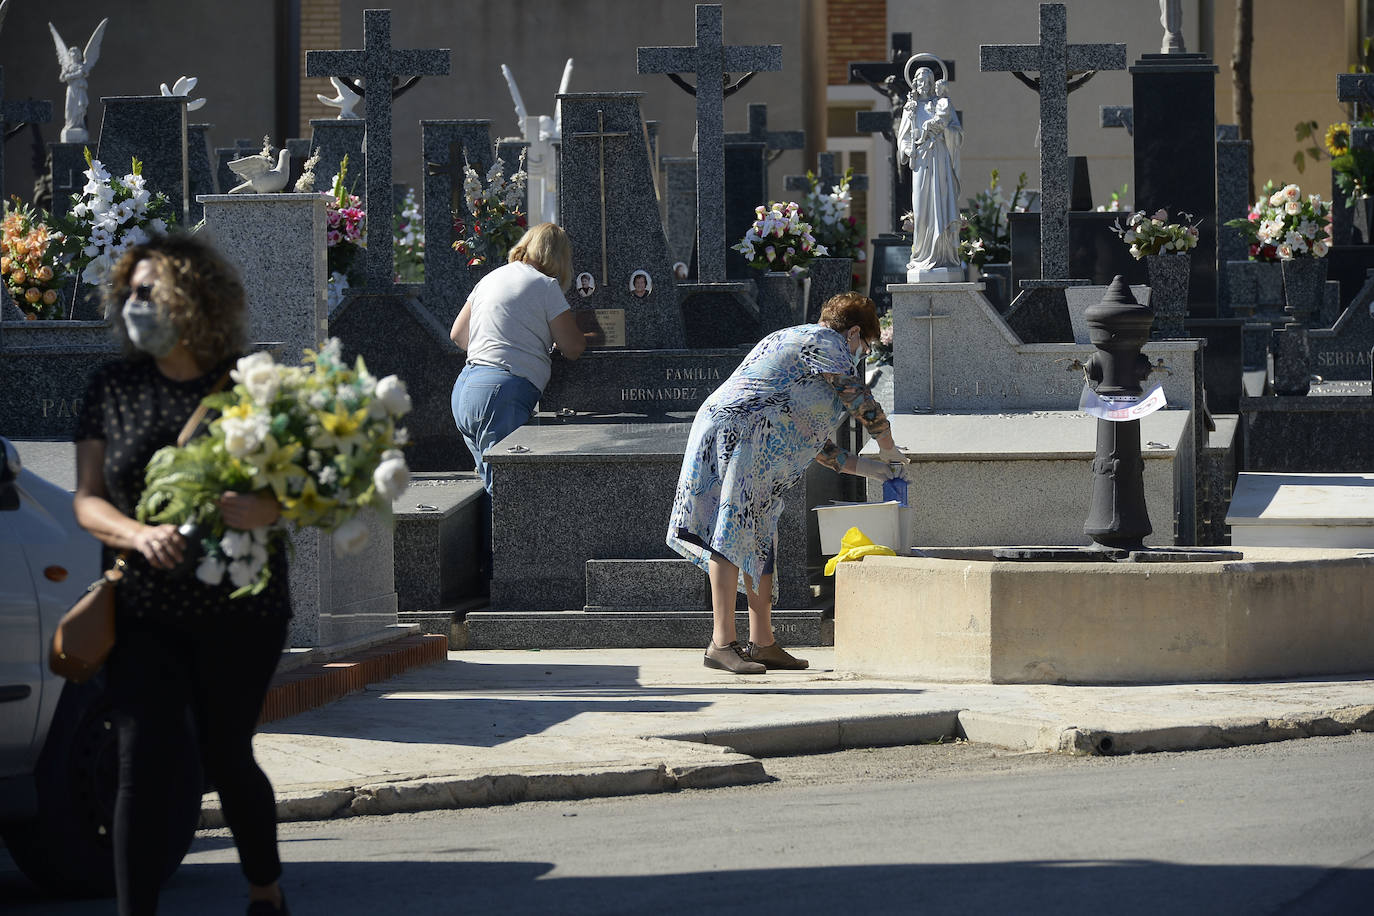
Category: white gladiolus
<point>391,477</point>
<point>391,391</point>
<point>351,537</point>
<point>210,571</point>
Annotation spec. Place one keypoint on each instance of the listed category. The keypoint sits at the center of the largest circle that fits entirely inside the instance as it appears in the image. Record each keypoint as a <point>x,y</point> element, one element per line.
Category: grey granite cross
<point>18,113</point>
<point>773,140</point>
<point>710,59</point>
<point>1055,60</point>
<point>826,177</point>
<point>377,62</point>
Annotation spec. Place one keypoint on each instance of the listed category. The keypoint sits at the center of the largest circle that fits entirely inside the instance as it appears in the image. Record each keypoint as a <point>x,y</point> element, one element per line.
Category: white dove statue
<point>260,174</point>
<point>183,87</point>
<point>345,99</point>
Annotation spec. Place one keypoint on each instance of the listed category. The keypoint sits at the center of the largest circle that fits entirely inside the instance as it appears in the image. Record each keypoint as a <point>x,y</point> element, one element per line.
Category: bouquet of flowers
<point>497,220</point>
<point>321,436</point>
<point>1353,169</point>
<point>28,261</point>
<point>780,239</point>
<point>409,240</point>
<point>346,233</point>
<point>1149,235</point>
<point>107,217</point>
<point>1283,224</point>
<point>881,352</point>
<point>1118,202</point>
<point>835,229</point>
<point>985,234</point>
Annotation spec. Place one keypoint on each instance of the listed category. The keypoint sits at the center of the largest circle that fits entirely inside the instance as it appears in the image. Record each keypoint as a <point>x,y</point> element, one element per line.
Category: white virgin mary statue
<point>929,139</point>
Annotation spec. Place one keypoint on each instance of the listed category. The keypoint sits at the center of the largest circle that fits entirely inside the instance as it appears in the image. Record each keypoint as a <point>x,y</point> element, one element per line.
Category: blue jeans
<point>488,405</point>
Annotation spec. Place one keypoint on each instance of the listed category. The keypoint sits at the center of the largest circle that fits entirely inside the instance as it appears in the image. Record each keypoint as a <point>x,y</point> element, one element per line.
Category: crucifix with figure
<point>378,63</point>
<point>1057,62</point>
<point>710,59</point>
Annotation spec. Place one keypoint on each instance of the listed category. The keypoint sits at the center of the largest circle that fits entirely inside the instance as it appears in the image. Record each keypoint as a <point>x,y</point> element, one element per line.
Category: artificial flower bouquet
<point>345,231</point>
<point>497,220</point>
<point>1151,235</point>
<point>29,261</point>
<point>833,225</point>
<point>780,240</point>
<point>985,232</point>
<point>322,437</point>
<point>108,216</point>
<point>1283,225</point>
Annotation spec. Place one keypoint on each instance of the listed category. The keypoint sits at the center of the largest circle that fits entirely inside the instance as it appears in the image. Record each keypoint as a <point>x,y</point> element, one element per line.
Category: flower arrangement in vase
<point>1283,225</point>
<point>345,232</point>
<point>832,223</point>
<point>29,261</point>
<point>780,240</point>
<point>1152,235</point>
<point>322,437</point>
<point>108,216</point>
<point>497,220</point>
<point>985,232</point>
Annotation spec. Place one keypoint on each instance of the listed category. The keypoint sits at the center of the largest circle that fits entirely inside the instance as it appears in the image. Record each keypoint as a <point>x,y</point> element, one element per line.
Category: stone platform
<point>1277,613</point>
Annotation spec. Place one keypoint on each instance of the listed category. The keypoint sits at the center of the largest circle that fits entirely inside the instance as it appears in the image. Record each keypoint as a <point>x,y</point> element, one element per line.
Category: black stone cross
<point>826,177</point>
<point>1358,88</point>
<point>775,141</point>
<point>710,59</point>
<point>18,114</point>
<point>377,63</point>
<point>1055,60</point>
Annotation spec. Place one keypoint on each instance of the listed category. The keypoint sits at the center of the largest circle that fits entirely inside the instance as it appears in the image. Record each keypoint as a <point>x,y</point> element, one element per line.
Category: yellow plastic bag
<point>855,545</point>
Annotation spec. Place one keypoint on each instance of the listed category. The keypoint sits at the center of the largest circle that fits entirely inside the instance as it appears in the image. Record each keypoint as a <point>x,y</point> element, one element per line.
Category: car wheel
<point>68,849</point>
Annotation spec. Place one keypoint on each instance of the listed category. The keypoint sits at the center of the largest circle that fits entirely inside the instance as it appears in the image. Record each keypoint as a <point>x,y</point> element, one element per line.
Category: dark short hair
<point>198,286</point>
<point>850,309</point>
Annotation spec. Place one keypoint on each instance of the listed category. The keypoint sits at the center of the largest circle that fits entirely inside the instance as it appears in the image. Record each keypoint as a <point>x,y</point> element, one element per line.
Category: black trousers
<point>220,670</point>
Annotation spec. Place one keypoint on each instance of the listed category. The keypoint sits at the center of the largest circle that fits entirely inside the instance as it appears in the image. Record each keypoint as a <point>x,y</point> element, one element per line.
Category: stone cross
<point>377,62</point>
<point>710,59</point>
<point>1055,60</point>
<point>826,177</point>
<point>1357,88</point>
<point>775,141</point>
<point>18,113</point>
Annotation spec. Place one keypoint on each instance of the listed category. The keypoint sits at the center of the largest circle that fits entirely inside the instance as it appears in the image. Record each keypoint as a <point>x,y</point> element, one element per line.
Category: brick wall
<point>858,31</point>
<point>320,31</point>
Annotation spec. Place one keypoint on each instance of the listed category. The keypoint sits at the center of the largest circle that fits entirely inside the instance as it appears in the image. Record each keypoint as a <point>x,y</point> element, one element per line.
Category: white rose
<point>258,373</point>
<point>210,571</point>
<point>236,544</point>
<point>391,478</point>
<point>241,437</point>
<point>1319,249</point>
<point>391,391</point>
<point>351,537</point>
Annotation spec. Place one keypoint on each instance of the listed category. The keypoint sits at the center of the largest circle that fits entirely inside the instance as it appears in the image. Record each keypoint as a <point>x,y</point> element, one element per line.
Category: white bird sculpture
<point>260,175</point>
<point>345,99</point>
<point>183,86</point>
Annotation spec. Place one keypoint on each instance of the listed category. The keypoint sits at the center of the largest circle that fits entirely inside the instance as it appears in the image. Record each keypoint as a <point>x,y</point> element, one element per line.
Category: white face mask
<point>859,358</point>
<point>150,328</point>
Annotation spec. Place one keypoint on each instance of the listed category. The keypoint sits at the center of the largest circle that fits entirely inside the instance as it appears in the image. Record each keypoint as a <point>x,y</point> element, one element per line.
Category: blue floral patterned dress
<point>753,438</point>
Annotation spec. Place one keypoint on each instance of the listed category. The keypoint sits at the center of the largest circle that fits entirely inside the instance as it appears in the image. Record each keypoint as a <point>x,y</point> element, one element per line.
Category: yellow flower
<point>237,412</point>
<point>341,429</point>
<point>275,465</point>
<point>309,507</point>
<point>1338,139</point>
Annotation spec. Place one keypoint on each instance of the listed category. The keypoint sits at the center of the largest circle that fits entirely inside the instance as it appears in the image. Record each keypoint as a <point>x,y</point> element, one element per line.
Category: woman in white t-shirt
<point>513,319</point>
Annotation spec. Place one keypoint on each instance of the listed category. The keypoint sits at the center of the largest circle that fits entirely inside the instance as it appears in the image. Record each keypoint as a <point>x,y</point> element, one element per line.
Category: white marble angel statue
<point>929,139</point>
<point>76,67</point>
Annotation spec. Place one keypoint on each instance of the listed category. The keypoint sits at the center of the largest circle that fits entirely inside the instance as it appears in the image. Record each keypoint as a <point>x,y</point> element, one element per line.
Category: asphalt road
<point>1283,828</point>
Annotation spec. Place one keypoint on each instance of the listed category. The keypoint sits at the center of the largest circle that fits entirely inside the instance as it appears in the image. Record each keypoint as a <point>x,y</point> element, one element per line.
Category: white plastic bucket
<point>885,523</point>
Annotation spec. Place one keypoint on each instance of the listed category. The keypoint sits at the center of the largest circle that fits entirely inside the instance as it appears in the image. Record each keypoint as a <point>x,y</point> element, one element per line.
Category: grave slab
<point>1302,510</point>
<point>1330,435</point>
<point>438,520</point>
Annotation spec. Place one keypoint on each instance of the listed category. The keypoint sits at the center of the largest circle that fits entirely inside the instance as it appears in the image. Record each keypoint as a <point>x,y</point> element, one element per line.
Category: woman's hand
<point>246,511</point>
<point>160,545</point>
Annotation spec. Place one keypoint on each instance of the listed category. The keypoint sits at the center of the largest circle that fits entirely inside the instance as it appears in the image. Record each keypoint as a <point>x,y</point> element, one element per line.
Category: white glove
<point>874,469</point>
<point>893,456</point>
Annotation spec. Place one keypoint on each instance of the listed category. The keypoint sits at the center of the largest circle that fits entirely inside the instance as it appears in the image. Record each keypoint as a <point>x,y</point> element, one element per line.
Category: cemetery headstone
<point>377,63</point>
<point>447,145</point>
<point>152,129</point>
<point>333,139</point>
<point>680,206</point>
<point>1233,202</point>
<point>67,162</point>
<point>14,113</point>
<point>1356,88</point>
<point>200,178</point>
<point>1122,116</point>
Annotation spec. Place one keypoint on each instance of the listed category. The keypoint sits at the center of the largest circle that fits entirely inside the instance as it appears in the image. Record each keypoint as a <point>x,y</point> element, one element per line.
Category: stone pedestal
<point>277,242</point>
<point>782,301</point>
<point>1168,275</point>
<point>1175,123</point>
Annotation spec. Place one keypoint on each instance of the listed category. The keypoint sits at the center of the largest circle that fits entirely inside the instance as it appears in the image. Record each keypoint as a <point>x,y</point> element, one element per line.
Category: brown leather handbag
<point>86,633</point>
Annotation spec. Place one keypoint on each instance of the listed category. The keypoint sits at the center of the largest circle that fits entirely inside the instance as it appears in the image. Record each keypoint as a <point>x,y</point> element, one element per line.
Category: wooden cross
<point>710,59</point>
<point>600,135</point>
<point>1055,60</point>
<point>377,63</point>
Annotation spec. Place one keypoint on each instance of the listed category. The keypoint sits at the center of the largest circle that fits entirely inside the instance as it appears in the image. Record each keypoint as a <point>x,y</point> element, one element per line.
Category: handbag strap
<point>198,415</point>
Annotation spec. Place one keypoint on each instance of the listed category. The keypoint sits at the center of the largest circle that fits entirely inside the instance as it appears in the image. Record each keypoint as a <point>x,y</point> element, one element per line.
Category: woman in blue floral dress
<point>752,439</point>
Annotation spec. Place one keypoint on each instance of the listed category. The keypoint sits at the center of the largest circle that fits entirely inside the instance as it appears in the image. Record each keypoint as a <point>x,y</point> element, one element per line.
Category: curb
<point>310,686</point>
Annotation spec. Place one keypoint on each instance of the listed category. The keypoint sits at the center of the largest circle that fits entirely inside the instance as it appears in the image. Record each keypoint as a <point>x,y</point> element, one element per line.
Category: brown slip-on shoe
<point>775,656</point>
<point>731,658</point>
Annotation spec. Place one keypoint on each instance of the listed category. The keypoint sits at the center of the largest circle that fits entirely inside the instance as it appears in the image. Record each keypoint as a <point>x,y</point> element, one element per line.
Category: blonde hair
<point>547,249</point>
<point>201,290</point>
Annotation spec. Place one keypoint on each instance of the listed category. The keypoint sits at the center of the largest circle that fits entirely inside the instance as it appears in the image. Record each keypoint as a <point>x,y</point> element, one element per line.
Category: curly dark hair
<point>200,288</point>
<point>850,309</point>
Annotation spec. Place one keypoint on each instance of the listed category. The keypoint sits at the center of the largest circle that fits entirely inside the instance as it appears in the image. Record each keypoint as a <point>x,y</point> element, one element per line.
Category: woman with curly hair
<point>751,440</point>
<point>181,644</point>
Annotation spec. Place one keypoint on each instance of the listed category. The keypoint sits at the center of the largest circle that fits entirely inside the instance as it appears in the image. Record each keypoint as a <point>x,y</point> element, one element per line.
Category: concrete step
<point>646,585</point>
<point>647,629</point>
<point>439,541</point>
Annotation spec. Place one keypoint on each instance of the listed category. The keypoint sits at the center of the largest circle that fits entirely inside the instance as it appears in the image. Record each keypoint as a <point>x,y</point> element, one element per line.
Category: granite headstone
<point>153,130</point>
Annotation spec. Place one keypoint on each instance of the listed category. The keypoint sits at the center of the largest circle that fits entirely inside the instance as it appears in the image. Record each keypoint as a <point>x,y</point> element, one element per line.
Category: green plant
<point>985,233</point>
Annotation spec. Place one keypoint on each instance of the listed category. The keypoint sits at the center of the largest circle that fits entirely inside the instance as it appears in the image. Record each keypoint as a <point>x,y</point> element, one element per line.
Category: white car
<point>58,746</point>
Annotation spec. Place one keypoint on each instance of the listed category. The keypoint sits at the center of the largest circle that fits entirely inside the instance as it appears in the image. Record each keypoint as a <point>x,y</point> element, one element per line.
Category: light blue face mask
<point>150,328</point>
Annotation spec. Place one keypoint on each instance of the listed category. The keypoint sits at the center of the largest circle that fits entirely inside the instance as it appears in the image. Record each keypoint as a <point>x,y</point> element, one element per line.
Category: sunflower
<point>1338,139</point>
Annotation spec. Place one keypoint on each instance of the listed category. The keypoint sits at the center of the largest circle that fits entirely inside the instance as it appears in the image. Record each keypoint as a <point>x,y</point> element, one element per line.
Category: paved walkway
<point>490,727</point>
